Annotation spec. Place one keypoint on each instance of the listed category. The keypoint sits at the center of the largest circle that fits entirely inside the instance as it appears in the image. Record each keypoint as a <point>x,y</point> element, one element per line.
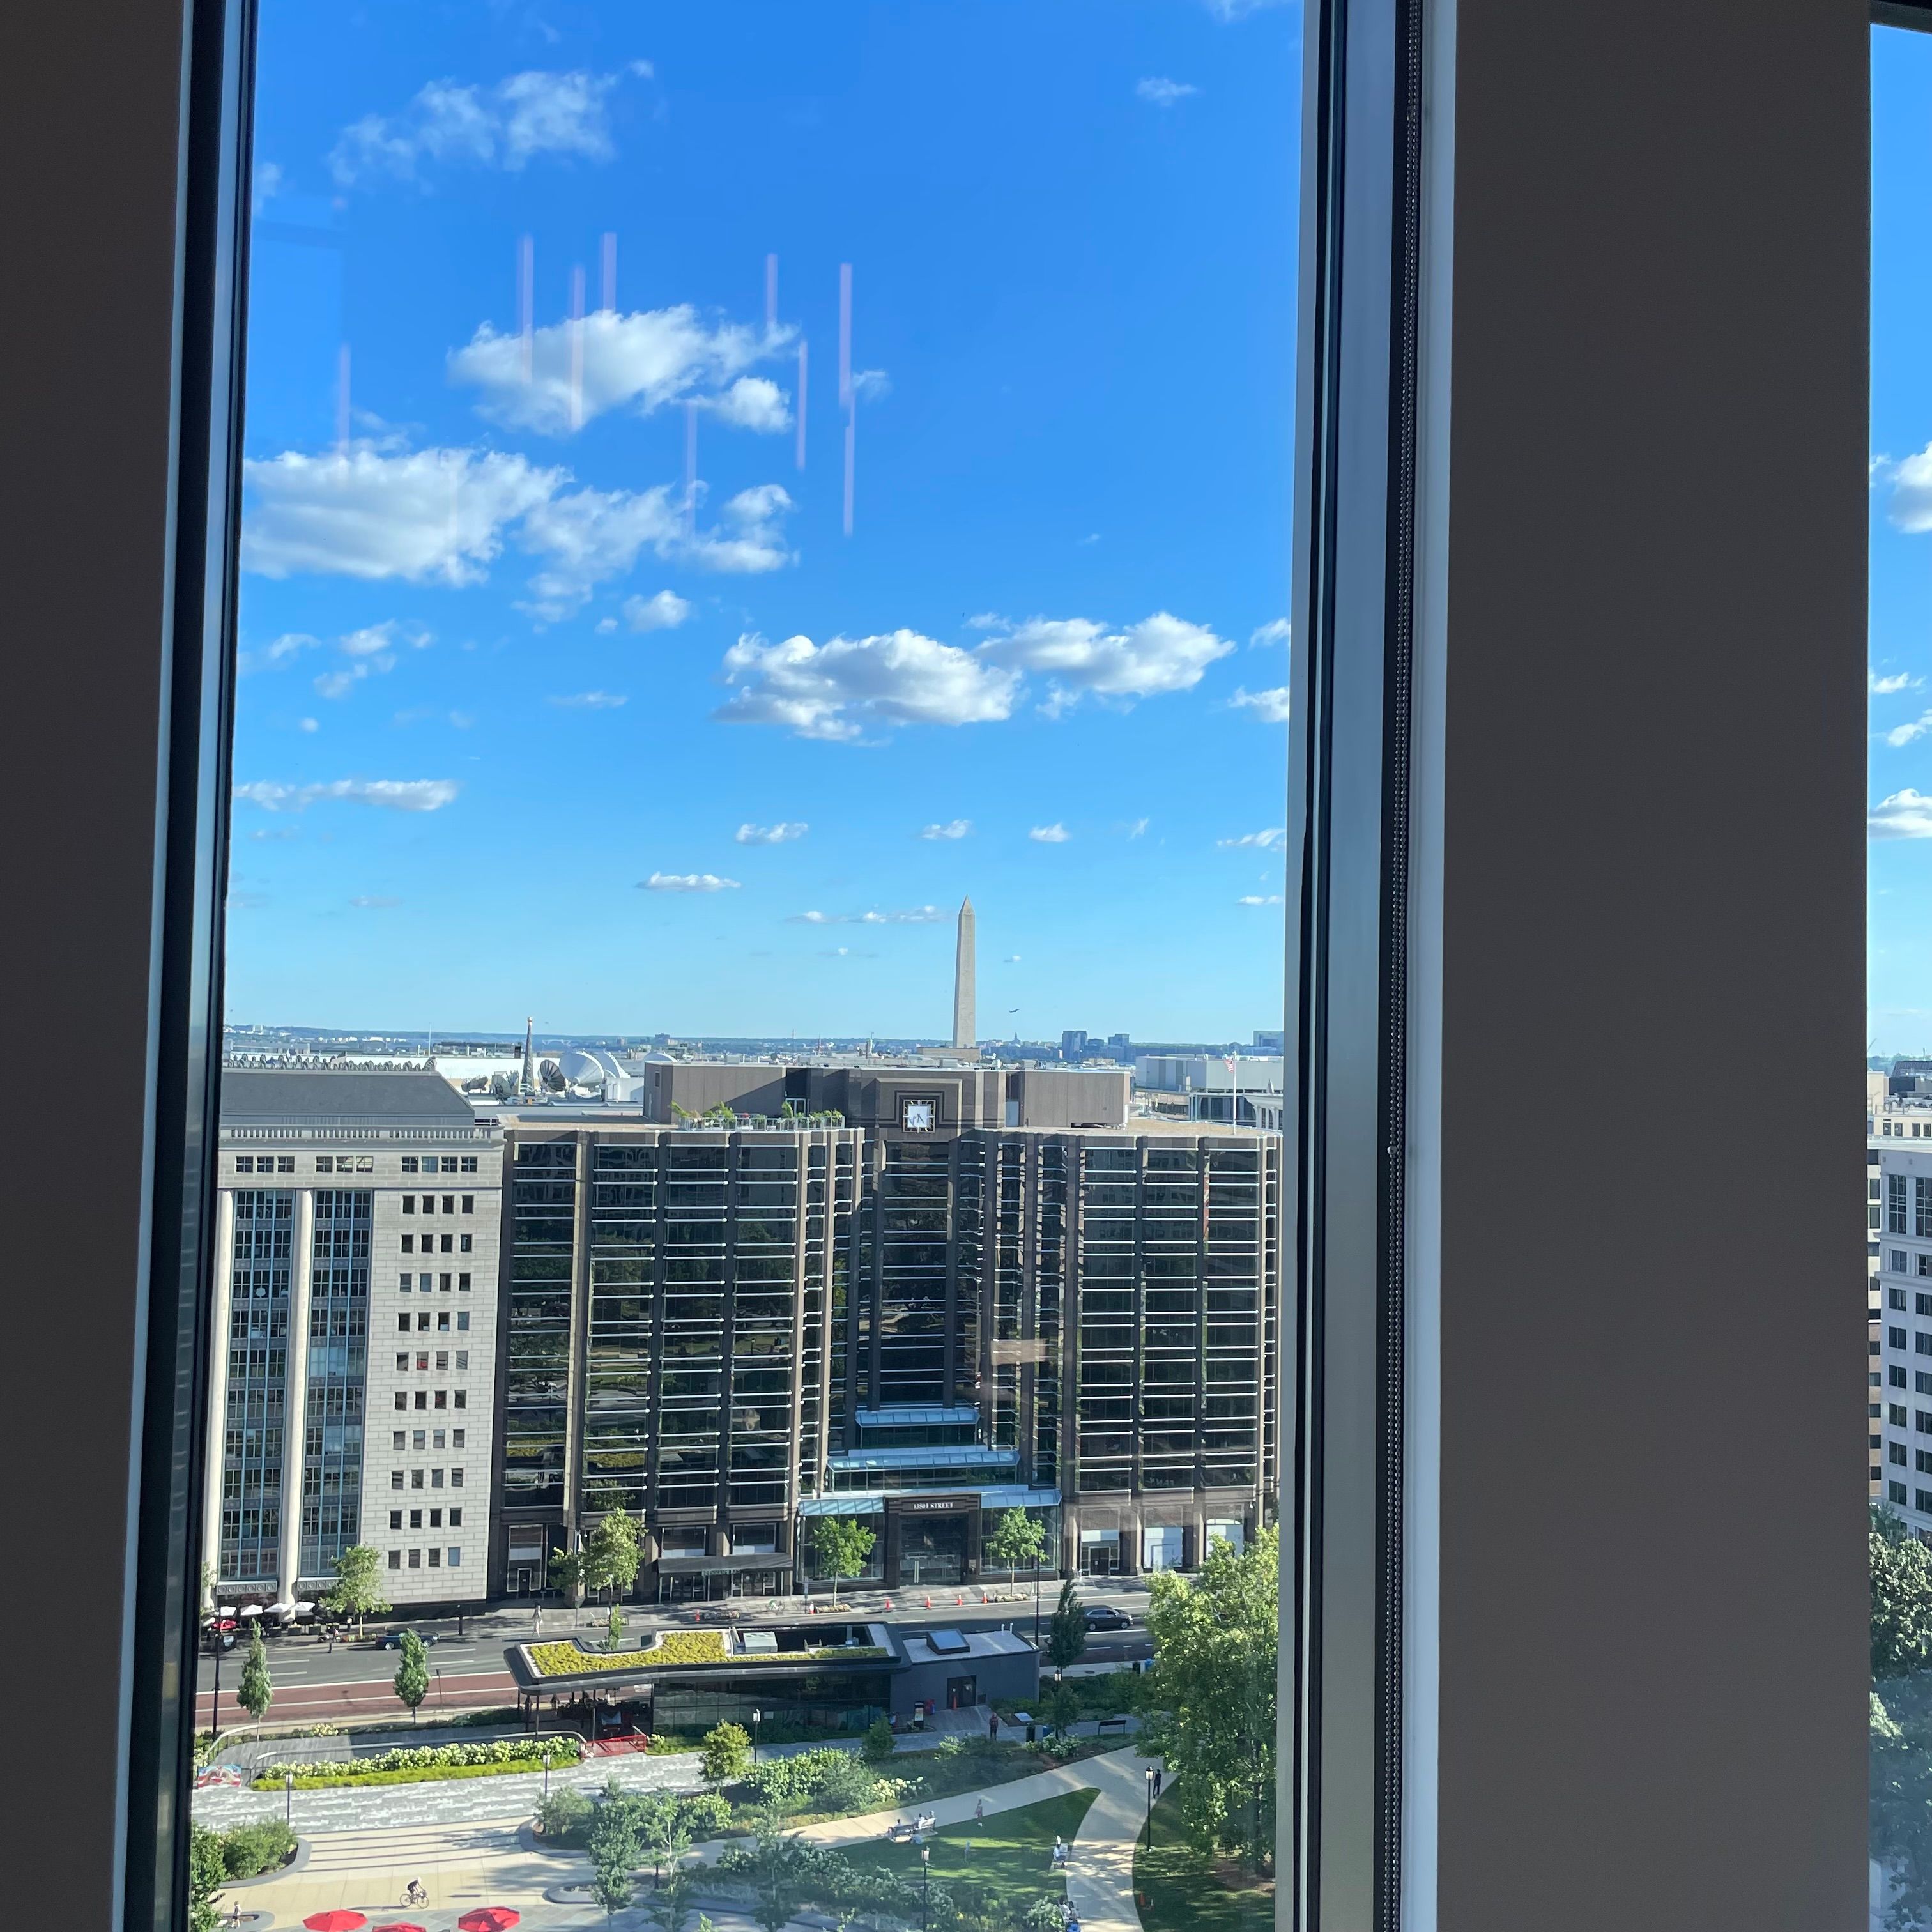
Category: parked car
<point>394,1641</point>
<point>1105,1617</point>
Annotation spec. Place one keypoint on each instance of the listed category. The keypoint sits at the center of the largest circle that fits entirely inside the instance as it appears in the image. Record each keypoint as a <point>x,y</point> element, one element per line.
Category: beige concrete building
<point>354,1341</point>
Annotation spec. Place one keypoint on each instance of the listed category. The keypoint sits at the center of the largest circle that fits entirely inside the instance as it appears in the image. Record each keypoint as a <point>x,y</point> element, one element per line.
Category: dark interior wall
<point>1653,1457</point>
<point>90,107</point>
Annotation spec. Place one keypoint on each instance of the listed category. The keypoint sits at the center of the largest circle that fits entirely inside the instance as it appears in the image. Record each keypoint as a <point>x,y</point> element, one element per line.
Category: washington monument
<point>964,1026</point>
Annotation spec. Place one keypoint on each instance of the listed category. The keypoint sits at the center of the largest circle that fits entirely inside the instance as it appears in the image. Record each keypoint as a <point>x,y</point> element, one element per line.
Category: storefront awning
<point>860,1504</point>
<point>1019,1498</point>
<point>717,1566</point>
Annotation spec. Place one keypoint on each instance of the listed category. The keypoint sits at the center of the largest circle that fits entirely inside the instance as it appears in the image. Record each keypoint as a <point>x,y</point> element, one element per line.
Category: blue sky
<point>1900,943</point>
<point>528,723</point>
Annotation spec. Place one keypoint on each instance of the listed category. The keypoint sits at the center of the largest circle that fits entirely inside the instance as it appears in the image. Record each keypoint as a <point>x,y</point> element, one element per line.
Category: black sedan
<point>394,1641</point>
<point>1105,1617</point>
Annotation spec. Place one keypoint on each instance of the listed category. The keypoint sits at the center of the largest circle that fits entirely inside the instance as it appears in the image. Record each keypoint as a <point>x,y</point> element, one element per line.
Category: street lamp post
<point>546,1778</point>
<point>757,1718</point>
<point>925,1887</point>
<point>1150,1814</point>
<point>289,1805</point>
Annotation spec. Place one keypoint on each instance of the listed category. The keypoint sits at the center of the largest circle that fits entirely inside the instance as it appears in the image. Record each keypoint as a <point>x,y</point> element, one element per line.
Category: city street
<point>315,1683</point>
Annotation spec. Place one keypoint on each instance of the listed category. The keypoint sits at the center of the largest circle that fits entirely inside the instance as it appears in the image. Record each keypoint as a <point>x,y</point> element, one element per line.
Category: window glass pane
<point>760,753</point>
<point>1898,1077</point>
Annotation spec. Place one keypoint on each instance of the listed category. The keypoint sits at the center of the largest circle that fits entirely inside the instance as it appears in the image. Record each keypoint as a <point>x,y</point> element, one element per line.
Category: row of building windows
<point>423,1401</point>
<point>416,1478</point>
<point>447,1163</point>
<point>422,1356</point>
<point>449,1201</point>
<point>415,1557</point>
<point>403,1324</point>
<point>432,1438</point>
<point>463,1243</point>
<point>425,1283</point>
<point>415,1516</point>
<point>1897,1261</point>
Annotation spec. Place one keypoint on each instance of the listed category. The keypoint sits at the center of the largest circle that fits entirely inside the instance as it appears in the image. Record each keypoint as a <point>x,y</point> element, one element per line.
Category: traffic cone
<point>928,1602</point>
<point>889,1602</point>
<point>960,1602</point>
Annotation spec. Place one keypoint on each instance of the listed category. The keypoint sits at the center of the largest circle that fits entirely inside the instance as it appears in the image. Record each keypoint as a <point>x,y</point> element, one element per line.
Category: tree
<point>1061,1706</point>
<point>1066,1634</point>
<point>616,1844</point>
<point>358,1589</point>
<point>726,1754</point>
<point>614,1631</point>
<point>842,1544</point>
<point>411,1678</point>
<point>878,1745</point>
<point>1211,1694</point>
<point>257,1692</point>
<point>1901,1598</point>
<point>1901,1798</point>
<point>207,1871</point>
<point>612,1553</point>
<point>568,1569</point>
<point>670,1841</point>
<point>1017,1538</point>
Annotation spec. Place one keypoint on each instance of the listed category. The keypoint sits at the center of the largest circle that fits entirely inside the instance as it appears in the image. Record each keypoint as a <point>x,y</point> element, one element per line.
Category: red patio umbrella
<point>335,1921</point>
<point>399,1927</point>
<point>488,1918</point>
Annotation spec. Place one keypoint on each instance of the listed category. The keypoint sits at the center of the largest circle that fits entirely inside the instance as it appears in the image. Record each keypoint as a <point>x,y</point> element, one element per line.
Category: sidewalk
<point>1100,1873</point>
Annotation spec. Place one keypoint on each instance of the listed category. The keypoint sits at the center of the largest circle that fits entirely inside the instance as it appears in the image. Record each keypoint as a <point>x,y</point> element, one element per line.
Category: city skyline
<point>547,633</point>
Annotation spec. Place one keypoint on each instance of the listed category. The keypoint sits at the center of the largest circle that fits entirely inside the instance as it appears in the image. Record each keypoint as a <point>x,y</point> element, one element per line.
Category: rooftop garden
<point>678,1648</point>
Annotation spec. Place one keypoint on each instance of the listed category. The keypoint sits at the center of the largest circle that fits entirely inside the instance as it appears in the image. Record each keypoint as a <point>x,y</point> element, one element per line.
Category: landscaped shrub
<point>523,1752</point>
<point>707,1814</point>
<point>563,1814</point>
<point>830,1780</point>
<point>262,1846</point>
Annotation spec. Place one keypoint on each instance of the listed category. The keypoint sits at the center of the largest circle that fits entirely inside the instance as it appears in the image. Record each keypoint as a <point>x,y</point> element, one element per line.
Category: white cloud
<point>1159,654</point>
<point>1136,828</point>
<point>1903,734</point>
<point>279,650</point>
<point>1271,706</point>
<point>1161,92</point>
<point>1259,898</point>
<point>1266,840</point>
<point>593,535</point>
<point>1905,815</point>
<point>308,724</point>
<point>506,126</point>
<point>432,515</point>
<point>928,915</point>
<point>753,402</point>
<point>663,611</point>
<point>1911,493</point>
<point>686,882</point>
<point>397,794</point>
<point>642,360</point>
<point>376,640</point>
<point>1275,630</point>
<point>268,185</point>
<point>780,834</point>
<point>951,828</point>
<point>1055,834</point>
<point>835,690</point>
<point>590,701</point>
<point>339,683</point>
<point>374,899</point>
<point>871,385</point>
<point>1227,11</point>
<point>1879,687</point>
<point>1013,959</point>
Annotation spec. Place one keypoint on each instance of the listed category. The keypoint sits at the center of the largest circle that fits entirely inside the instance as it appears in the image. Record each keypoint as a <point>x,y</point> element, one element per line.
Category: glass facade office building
<point>731,1333</point>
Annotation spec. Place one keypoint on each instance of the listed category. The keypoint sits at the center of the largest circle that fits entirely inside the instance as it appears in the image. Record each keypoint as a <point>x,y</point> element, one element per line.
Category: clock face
<point>920,1116</point>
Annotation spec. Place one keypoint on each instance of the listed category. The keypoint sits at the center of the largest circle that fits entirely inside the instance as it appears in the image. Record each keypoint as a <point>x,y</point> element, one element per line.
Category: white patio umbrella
<point>285,1609</point>
<point>304,1609</point>
<point>224,1609</point>
<point>251,1610</point>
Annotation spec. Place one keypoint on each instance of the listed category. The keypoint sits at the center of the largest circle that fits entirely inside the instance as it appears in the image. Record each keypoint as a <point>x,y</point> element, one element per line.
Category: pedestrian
<point>993,1726</point>
<point>1156,1781</point>
<point>979,1813</point>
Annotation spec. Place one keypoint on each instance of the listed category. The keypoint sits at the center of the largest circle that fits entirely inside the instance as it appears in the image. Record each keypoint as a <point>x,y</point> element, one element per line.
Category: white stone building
<point>356,1250</point>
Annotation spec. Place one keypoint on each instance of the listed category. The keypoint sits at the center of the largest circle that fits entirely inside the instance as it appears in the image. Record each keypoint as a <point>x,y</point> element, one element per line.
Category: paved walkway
<point>1100,1873</point>
<point>464,1865</point>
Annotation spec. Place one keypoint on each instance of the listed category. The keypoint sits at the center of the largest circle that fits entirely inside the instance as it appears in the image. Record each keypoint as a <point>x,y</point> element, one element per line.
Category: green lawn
<point>1186,1892</point>
<point>1010,1859</point>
